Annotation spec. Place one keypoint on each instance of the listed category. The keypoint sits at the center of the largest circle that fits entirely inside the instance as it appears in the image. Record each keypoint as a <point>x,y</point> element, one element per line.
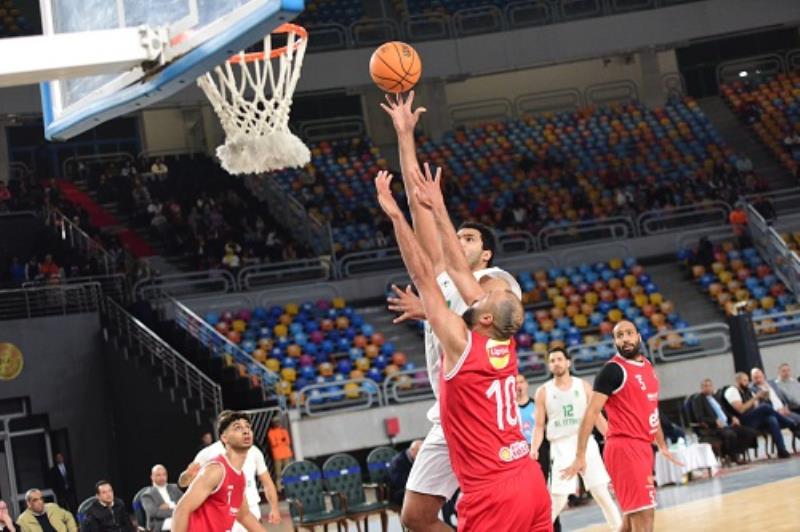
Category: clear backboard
<point>190,37</point>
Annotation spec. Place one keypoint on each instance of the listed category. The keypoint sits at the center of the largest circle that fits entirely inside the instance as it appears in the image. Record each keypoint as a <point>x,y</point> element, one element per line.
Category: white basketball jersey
<point>565,409</point>
<point>455,302</point>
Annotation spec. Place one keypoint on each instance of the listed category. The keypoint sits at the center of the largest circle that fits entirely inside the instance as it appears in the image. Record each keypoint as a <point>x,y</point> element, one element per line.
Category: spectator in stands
<point>738,221</point>
<point>159,169</point>
<point>160,499</point>
<point>48,268</point>
<point>44,517</point>
<point>735,437</point>
<point>776,397</point>
<point>672,432</point>
<point>765,208</point>
<point>280,444</point>
<point>16,271</point>
<point>231,259</point>
<point>5,197</point>
<point>744,165</point>
<point>399,470</point>
<point>789,387</point>
<point>107,514</point>
<point>758,416</point>
<point>6,524</point>
<point>32,270</point>
<point>705,253</point>
<point>62,483</point>
<point>205,440</point>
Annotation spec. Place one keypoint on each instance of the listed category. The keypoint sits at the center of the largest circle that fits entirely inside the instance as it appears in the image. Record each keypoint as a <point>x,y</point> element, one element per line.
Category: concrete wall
<point>63,375</point>
<point>350,431</point>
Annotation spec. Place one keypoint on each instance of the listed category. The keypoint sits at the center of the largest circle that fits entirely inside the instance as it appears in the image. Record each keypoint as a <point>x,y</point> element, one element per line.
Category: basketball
<point>395,67</point>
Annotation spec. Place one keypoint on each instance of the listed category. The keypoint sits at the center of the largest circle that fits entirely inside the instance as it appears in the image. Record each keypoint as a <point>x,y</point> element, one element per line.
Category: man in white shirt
<point>254,465</point>
<point>760,383</point>
<point>160,500</point>
<point>789,387</point>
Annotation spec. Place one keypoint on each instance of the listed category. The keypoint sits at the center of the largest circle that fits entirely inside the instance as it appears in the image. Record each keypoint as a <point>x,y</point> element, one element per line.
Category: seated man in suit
<point>776,397</point>
<point>107,513</point>
<point>735,437</point>
<point>788,386</point>
<point>160,499</point>
<point>399,469</point>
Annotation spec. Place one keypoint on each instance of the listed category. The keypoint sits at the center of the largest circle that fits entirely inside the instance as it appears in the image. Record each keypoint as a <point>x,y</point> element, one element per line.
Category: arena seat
<point>742,275</point>
<point>302,485</point>
<point>320,12</point>
<point>579,306</point>
<point>342,474</point>
<point>773,109</point>
<point>326,342</point>
<point>12,22</point>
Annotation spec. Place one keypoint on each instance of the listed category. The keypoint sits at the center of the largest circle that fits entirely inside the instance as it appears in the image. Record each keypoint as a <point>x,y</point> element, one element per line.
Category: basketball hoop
<point>253,105</point>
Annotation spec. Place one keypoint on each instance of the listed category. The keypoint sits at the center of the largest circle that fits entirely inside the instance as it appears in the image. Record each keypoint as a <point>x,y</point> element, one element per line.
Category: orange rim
<point>277,52</point>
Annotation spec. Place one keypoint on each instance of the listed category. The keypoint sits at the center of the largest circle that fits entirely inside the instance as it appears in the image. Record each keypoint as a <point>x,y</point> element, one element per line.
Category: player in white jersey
<point>431,481</point>
<point>254,466</point>
<point>562,402</point>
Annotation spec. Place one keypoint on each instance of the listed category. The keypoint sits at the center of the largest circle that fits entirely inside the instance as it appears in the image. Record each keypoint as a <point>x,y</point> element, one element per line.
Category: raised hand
<point>383,186</point>
<point>427,187</point>
<point>407,304</point>
<point>403,118</point>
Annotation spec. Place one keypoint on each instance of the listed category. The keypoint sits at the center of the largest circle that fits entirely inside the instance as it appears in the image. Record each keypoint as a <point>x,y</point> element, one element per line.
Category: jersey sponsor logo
<point>652,396</point>
<point>499,352</point>
<point>515,451</point>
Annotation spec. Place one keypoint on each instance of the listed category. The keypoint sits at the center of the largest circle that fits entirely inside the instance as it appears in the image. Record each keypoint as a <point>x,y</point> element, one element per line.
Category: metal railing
<point>178,371</point>
<point>771,246</point>
<point>96,158</point>
<point>664,220</point>
<point>220,346</point>
<point>53,300</point>
<point>263,275</point>
<point>183,284</point>
<point>317,400</point>
<point>369,261</point>
<point>691,342</point>
<point>777,328</point>
<point>115,285</point>
<point>406,386</point>
<point>613,228</point>
<point>79,240</point>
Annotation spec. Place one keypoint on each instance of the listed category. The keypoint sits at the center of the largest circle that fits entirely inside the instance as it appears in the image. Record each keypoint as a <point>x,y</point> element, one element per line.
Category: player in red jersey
<point>627,387</point>
<point>215,498</point>
<point>502,487</point>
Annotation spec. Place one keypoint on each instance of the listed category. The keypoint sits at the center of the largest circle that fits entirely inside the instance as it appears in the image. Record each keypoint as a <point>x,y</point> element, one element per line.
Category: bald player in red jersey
<point>215,498</point>
<point>627,387</point>
<point>502,487</point>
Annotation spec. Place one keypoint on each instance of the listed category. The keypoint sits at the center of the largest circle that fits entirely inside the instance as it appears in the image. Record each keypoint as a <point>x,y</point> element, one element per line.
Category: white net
<point>253,103</point>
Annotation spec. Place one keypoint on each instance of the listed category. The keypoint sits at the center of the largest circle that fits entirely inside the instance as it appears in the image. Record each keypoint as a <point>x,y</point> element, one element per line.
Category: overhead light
<point>743,74</point>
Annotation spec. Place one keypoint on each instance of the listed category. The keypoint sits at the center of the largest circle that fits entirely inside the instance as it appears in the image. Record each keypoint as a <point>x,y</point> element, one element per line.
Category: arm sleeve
<point>609,379</point>
<point>261,465</point>
<point>732,395</point>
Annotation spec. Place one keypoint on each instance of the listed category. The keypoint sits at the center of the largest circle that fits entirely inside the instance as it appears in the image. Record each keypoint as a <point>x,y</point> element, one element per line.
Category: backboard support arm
<point>39,58</point>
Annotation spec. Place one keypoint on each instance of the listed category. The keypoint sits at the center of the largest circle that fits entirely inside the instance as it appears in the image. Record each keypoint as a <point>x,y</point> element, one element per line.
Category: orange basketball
<point>395,67</point>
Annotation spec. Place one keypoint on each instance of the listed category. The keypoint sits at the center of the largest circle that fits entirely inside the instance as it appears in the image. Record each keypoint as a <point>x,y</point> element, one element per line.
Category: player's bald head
<point>624,325</point>
<point>498,314</point>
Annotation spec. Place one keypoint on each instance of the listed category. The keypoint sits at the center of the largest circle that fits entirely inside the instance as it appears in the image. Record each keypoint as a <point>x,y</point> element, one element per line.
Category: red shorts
<point>630,465</point>
<point>520,502</point>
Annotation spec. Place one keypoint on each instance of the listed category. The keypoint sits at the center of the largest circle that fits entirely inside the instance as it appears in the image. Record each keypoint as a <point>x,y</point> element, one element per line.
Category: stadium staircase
<point>141,243</point>
<point>743,141</point>
<point>679,288</point>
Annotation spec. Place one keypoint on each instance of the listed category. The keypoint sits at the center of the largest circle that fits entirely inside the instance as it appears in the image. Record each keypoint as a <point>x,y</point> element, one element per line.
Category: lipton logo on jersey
<point>499,352</point>
<point>515,451</point>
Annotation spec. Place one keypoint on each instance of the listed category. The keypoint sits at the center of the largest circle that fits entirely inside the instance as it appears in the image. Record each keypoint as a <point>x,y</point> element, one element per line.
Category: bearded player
<point>502,488</point>
<point>215,498</point>
<point>431,481</point>
<point>627,387</point>
<point>561,403</point>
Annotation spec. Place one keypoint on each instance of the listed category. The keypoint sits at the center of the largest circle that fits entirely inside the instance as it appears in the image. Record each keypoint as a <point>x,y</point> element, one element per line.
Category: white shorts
<point>256,511</point>
<point>562,454</point>
<point>431,473</point>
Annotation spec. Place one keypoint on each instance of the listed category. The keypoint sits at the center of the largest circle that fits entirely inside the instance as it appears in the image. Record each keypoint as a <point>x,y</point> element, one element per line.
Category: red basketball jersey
<point>479,414</point>
<point>218,511</point>
<point>633,407</point>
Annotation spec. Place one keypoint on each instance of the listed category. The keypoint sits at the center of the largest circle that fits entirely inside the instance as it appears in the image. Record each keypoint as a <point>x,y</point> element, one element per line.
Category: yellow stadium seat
<point>273,364</point>
<point>239,326</point>
<point>292,309</point>
<point>280,330</point>
<point>614,315</point>
<point>338,303</point>
<point>615,263</point>
<point>630,281</point>
<point>656,298</point>
<point>640,300</point>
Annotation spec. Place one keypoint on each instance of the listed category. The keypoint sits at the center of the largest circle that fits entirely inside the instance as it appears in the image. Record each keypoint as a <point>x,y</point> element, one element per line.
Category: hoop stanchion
<point>253,103</point>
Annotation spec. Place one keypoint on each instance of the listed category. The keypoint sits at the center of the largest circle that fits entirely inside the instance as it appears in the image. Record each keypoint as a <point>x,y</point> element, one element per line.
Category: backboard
<point>197,36</point>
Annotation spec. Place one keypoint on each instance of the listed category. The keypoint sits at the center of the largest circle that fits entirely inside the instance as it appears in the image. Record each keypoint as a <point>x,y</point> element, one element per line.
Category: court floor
<point>764,496</point>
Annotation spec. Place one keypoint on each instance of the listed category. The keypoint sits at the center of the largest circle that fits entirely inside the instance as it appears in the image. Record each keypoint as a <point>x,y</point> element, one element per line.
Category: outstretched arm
<point>429,194</point>
<point>540,418</point>
<point>448,326</point>
<point>404,121</point>
<point>592,411</point>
